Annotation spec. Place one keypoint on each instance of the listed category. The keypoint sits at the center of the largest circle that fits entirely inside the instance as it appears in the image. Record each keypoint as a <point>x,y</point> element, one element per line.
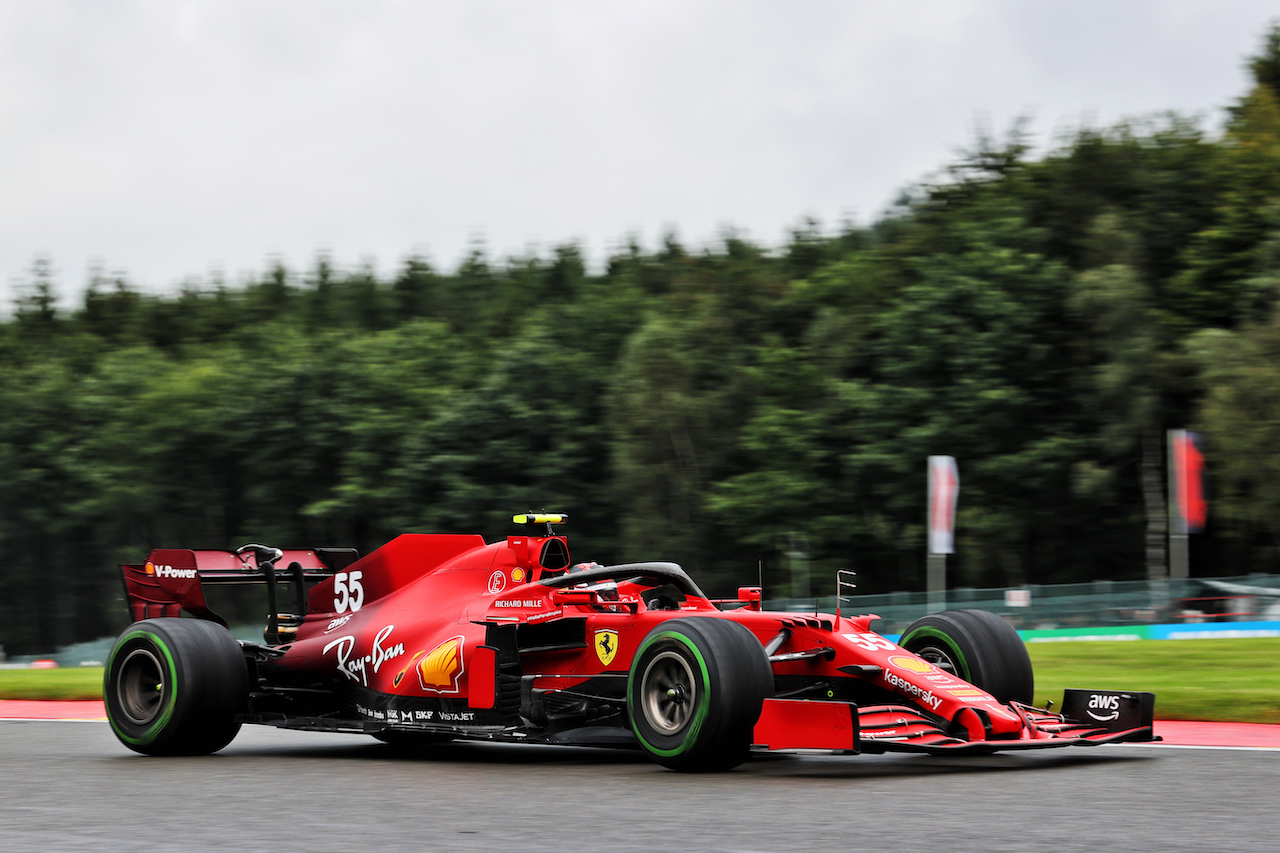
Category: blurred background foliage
<point>1042,319</point>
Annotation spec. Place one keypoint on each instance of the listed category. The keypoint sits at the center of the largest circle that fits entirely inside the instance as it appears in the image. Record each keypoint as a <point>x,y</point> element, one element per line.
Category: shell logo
<point>441,669</point>
<point>912,664</point>
<point>149,568</point>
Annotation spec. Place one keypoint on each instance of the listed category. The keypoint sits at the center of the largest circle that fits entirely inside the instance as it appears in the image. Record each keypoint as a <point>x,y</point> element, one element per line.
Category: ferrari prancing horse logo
<point>606,645</point>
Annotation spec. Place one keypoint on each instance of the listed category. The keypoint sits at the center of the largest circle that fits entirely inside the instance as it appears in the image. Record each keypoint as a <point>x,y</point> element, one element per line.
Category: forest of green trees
<point>1041,318</point>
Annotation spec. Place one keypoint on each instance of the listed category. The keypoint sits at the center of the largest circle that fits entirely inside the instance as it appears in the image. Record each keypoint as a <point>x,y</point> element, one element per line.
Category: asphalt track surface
<point>71,786</point>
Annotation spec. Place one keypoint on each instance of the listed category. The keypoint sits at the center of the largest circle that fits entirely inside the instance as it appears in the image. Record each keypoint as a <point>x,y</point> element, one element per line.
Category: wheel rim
<point>669,692</point>
<point>140,687</point>
<point>940,658</point>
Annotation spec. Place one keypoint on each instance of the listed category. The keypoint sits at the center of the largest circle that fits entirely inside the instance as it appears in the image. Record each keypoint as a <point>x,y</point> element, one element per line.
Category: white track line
<point>1205,746</point>
<point>58,720</point>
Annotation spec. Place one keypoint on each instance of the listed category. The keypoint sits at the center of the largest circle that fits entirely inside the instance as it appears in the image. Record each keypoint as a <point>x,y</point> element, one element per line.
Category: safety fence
<point>1188,608</point>
<point>1088,608</point>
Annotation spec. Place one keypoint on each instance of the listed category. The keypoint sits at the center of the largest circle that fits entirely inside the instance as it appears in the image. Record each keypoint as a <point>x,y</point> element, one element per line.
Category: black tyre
<point>695,691</point>
<point>979,647</point>
<point>174,687</point>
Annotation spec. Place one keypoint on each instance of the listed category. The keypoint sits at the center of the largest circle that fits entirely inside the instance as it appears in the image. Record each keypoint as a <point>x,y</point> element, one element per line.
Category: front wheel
<point>977,646</point>
<point>174,686</point>
<point>695,691</point>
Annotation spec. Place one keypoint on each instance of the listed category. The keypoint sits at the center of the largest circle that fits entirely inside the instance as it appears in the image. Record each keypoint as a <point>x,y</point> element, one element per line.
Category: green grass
<point>83,682</point>
<point>1223,680</point>
<point>1220,680</point>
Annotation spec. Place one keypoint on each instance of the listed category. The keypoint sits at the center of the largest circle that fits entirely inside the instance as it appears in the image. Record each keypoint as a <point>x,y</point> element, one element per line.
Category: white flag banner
<point>944,487</point>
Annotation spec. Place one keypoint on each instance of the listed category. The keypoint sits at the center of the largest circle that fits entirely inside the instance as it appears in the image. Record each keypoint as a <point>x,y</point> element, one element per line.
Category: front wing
<point>843,727</point>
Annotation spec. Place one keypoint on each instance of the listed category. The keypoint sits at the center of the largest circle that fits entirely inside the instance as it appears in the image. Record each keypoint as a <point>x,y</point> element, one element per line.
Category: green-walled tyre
<point>977,646</point>
<point>695,691</point>
<point>174,687</point>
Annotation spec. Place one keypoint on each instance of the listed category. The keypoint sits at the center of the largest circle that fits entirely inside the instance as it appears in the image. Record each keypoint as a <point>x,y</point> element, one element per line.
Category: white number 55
<point>869,642</point>
<point>350,594</point>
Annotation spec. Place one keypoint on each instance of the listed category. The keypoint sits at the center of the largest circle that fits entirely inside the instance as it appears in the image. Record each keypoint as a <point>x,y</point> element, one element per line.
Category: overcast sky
<point>168,139</point>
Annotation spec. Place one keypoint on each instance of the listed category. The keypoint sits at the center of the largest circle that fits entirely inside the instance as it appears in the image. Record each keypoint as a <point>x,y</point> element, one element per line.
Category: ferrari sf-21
<point>434,637</point>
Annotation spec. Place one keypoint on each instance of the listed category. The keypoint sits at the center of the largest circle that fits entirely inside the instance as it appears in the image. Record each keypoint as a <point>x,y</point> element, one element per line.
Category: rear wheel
<point>695,691</point>
<point>977,646</point>
<point>174,687</point>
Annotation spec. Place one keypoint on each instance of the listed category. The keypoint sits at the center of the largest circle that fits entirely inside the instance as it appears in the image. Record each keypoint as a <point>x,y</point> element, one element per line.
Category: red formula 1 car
<point>436,637</point>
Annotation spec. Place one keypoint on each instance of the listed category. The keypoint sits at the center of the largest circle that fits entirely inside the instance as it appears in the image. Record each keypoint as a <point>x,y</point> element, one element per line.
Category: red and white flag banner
<point>944,487</point>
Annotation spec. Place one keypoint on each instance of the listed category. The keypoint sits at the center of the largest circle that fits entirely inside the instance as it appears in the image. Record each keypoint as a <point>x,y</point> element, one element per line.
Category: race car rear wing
<point>172,580</point>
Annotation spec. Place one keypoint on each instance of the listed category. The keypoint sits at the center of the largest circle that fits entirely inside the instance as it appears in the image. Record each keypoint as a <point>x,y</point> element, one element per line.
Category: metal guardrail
<point>1080,605</point>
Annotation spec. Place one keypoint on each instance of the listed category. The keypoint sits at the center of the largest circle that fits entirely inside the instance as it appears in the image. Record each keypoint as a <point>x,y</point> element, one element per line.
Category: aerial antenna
<point>844,588</point>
